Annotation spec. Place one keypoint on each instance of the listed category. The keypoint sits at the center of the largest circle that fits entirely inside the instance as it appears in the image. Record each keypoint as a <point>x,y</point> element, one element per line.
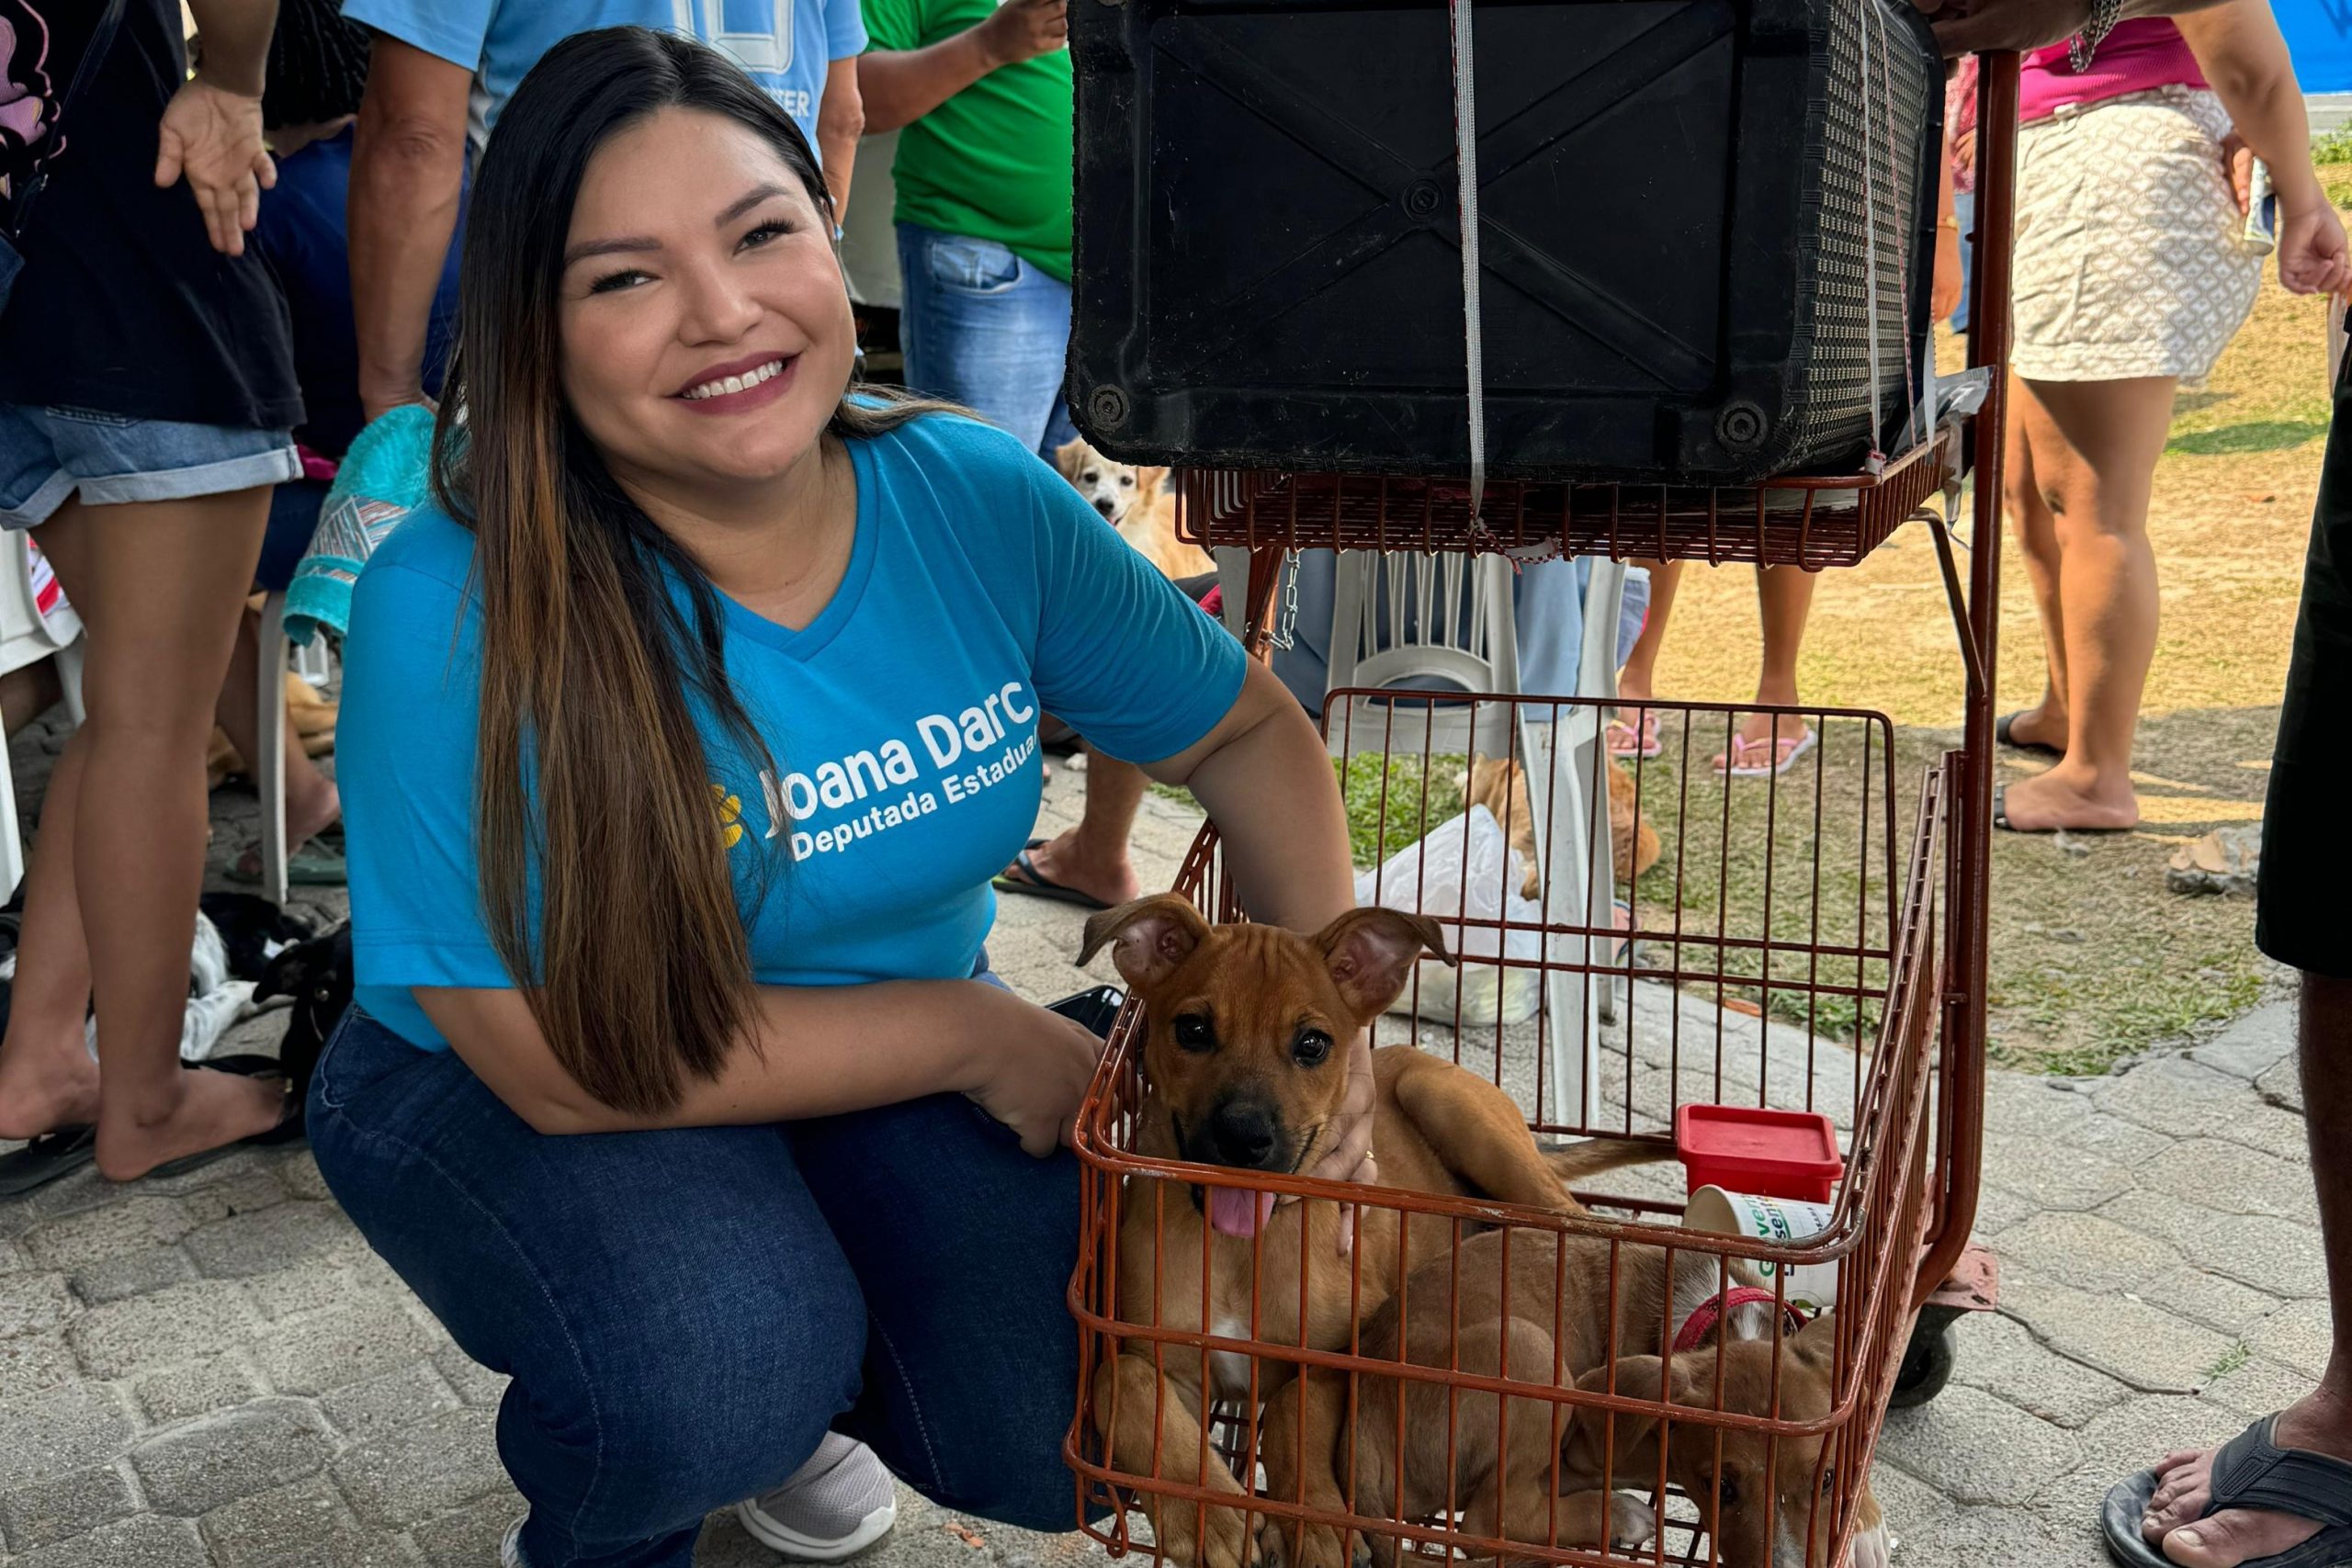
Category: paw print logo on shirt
<point>730,816</point>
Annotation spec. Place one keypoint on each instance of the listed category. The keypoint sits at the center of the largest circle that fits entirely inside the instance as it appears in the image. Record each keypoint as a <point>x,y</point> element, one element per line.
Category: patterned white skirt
<point>2128,256</point>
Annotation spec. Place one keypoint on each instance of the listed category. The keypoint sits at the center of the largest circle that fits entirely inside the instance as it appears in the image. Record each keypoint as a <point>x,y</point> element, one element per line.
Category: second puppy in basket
<point>1500,783</point>
<point>1246,1059</point>
<point>1511,1306</point>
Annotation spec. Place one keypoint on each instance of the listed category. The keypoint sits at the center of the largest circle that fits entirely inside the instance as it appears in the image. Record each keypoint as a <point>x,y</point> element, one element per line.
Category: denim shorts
<point>47,453</point>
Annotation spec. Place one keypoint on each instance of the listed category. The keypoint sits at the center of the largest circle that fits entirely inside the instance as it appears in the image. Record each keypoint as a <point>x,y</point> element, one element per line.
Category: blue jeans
<point>685,1313</point>
<point>988,330</point>
<point>1963,207</point>
<point>48,454</point>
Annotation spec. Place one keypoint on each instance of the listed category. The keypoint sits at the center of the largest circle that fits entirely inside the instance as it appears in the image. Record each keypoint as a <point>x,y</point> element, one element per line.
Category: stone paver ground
<point>215,1372</point>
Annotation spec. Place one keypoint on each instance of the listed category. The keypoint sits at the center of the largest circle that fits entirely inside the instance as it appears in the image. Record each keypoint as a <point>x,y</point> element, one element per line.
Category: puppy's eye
<point>1828,1478</point>
<point>1128,480</point>
<point>1089,476</point>
<point>1193,1034</point>
<point>1727,1492</point>
<point>1310,1048</point>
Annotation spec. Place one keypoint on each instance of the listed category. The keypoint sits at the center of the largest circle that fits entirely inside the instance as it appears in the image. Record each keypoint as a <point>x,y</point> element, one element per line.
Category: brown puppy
<point>1246,1058</point>
<point>1137,502</point>
<point>1500,783</point>
<point>1552,1327</point>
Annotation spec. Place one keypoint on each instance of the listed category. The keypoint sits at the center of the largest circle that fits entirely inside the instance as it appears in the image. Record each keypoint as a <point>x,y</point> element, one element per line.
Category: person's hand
<point>1023,29</point>
<point>212,137</point>
<point>1979,27</point>
<point>1964,156</point>
<point>2312,257</point>
<point>1943,292</point>
<point>2237,162</point>
<point>1034,1068</point>
<point>375,405</point>
<point>1347,1151</point>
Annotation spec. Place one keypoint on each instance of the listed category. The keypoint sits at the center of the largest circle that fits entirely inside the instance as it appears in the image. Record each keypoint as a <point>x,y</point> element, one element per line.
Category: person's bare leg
<point>1638,681</point>
<point>47,1079</point>
<point>1092,857</point>
<point>159,586</point>
<point>311,799</point>
<point>2322,1421</point>
<point>1783,597</point>
<point>2094,447</point>
<point>2037,531</point>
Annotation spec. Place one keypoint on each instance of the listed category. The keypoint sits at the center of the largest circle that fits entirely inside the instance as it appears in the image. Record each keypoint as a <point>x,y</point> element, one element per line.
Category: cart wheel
<point>1927,1364</point>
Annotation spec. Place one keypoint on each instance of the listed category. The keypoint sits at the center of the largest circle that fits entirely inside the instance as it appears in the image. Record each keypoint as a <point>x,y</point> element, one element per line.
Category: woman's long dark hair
<point>590,776</point>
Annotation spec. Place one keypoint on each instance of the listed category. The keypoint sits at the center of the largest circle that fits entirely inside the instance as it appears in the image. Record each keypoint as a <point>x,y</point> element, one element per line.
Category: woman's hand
<point>2312,250</point>
<point>211,136</point>
<point>1347,1154</point>
<point>1943,293</point>
<point>1032,1067</point>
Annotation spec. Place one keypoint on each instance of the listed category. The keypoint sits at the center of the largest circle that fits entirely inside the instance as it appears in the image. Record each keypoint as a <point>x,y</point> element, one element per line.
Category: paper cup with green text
<point>1784,1222</point>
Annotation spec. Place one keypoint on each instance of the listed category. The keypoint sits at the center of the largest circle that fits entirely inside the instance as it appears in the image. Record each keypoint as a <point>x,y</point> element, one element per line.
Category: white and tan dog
<point>1136,501</point>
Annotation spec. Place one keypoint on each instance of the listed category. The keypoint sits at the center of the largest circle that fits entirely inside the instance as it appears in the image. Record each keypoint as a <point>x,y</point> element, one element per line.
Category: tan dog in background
<point>1500,785</point>
<point>1137,502</point>
<point>1247,1062</point>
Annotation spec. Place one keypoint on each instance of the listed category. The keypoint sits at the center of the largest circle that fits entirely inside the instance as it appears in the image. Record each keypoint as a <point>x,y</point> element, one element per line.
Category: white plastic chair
<point>269,740</point>
<point>1405,618</point>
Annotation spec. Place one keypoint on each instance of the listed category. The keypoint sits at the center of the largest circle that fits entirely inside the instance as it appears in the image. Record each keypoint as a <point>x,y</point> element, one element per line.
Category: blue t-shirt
<point>981,591</point>
<point>784,44</point>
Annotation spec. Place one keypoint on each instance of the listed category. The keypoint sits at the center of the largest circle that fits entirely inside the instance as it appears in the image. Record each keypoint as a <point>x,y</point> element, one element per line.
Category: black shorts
<point>2301,902</point>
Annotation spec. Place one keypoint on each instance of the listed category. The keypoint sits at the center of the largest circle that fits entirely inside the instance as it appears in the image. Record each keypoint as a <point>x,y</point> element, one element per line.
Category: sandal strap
<point>2253,1471</point>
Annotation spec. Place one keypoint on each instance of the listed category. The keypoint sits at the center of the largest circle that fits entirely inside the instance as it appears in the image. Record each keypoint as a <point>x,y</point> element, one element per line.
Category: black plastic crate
<point>1679,203</point>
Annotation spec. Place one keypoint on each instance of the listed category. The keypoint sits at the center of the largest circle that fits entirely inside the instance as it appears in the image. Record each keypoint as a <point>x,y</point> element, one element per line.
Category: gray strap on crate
<point>1465,159</point>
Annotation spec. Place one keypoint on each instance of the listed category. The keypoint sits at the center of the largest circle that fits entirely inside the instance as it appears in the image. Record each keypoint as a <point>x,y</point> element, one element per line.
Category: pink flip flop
<point>1763,759</point>
<point>1626,742</point>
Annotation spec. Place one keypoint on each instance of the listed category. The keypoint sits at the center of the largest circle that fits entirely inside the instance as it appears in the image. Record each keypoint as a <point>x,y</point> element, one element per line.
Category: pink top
<point>2137,56</point>
<point>1960,119</point>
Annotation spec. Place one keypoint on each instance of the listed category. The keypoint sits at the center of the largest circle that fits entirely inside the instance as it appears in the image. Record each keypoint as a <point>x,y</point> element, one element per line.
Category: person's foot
<point>836,1506</point>
<point>307,815</point>
<point>2318,1424</point>
<point>2041,725</point>
<point>41,1090</point>
<point>210,1110</point>
<point>2060,798</point>
<point>1067,860</point>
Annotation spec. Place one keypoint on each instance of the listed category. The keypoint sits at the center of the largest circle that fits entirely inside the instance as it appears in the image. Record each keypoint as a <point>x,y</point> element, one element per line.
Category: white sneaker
<point>836,1506</point>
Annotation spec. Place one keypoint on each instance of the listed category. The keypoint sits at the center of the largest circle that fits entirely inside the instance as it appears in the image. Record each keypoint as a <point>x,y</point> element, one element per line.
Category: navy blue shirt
<point>301,232</point>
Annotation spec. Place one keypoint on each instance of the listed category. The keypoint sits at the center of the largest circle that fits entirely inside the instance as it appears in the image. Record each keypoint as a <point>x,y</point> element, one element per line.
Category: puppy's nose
<point>1244,1132</point>
<point>1103,505</point>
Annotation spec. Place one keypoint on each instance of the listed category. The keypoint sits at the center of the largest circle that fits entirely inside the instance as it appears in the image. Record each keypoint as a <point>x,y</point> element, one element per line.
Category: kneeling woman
<point>678,749</point>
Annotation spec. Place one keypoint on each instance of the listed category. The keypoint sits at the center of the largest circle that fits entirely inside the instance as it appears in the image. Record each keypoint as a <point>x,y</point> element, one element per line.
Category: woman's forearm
<point>813,1051</point>
<point>1271,791</point>
<point>2239,48</point>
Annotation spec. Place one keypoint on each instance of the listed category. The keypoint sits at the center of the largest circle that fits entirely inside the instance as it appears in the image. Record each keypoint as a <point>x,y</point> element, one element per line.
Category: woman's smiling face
<point>706,329</point>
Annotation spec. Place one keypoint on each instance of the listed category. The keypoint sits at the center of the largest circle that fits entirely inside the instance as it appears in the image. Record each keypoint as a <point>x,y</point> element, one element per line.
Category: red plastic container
<point>1770,1154</point>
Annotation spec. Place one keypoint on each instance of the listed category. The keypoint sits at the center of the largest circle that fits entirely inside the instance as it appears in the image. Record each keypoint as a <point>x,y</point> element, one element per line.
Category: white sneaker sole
<point>807,1548</point>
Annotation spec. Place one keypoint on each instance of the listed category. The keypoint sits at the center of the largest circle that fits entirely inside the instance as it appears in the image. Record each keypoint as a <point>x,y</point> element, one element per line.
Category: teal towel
<point>383,479</point>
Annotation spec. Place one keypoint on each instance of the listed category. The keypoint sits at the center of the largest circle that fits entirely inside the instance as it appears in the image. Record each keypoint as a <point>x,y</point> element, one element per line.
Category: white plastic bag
<point>1464,868</point>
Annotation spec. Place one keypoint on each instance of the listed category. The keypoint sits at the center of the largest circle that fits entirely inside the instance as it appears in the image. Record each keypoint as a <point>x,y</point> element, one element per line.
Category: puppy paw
<point>1323,1548</point>
<point>1632,1523</point>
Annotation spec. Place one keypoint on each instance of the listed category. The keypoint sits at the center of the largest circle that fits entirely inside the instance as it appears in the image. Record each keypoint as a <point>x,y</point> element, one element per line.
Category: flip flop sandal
<point>2251,1471</point>
<point>1763,759</point>
<point>46,1158</point>
<point>318,863</point>
<point>285,1130</point>
<point>1034,883</point>
<point>2004,733</point>
<point>1626,742</point>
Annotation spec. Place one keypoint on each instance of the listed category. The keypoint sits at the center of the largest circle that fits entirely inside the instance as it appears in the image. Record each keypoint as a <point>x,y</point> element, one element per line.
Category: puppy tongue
<point>1237,1211</point>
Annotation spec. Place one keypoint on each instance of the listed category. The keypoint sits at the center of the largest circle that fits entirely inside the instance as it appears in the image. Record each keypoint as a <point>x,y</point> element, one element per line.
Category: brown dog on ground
<point>1553,1328</point>
<point>1137,502</point>
<point>1500,783</point>
<point>1247,1060</point>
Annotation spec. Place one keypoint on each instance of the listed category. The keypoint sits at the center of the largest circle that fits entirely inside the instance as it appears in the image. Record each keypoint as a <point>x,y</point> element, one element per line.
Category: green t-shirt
<point>993,162</point>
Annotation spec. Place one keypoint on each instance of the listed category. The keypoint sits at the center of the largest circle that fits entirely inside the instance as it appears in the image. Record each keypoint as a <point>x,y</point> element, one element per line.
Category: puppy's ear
<point>1371,950</point>
<point>1630,1441</point>
<point>1069,455</point>
<point>1816,1344</point>
<point>1154,935</point>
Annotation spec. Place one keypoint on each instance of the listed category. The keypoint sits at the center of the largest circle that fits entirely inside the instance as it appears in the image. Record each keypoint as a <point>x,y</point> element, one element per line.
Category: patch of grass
<point>2333,147</point>
<point>2253,435</point>
<point>2237,1355</point>
<point>1392,805</point>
